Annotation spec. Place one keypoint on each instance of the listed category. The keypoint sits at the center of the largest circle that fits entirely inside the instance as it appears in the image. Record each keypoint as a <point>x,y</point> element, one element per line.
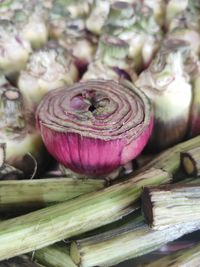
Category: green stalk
<point>39,193</point>
<point>54,256</point>
<point>169,160</point>
<point>49,225</point>
<point>186,257</point>
<point>190,161</point>
<point>130,241</point>
<point>168,205</point>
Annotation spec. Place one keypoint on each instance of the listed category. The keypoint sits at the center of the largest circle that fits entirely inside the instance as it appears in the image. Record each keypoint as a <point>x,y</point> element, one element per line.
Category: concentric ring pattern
<point>98,121</point>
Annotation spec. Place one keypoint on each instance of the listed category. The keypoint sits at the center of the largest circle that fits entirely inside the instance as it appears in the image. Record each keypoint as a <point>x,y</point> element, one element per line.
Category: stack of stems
<point>46,226</point>
<point>127,242</point>
<point>87,212</point>
<point>168,205</point>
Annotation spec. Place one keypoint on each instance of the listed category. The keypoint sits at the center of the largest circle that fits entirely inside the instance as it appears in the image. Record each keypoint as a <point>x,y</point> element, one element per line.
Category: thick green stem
<point>185,257</point>
<point>49,225</point>
<point>54,256</point>
<point>168,205</point>
<point>31,194</point>
<point>190,161</point>
<point>169,160</point>
<point>130,241</point>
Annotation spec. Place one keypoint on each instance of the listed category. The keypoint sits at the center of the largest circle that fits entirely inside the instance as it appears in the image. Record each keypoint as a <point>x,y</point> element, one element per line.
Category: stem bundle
<point>130,241</point>
<point>49,225</point>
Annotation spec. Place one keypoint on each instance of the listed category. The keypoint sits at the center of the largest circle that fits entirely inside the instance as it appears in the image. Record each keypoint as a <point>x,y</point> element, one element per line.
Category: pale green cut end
<point>74,253</point>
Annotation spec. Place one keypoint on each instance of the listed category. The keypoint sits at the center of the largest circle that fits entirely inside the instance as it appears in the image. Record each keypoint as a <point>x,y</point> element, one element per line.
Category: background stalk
<point>185,257</point>
<point>130,241</point>
<point>168,205</point>
<point>31,194</point>
<point>49,225</point>
<point>54,256</point>
<point>190,161</point>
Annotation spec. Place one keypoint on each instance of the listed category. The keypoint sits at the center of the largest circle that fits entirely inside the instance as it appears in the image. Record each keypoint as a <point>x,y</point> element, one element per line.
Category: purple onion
<point>94,127</point>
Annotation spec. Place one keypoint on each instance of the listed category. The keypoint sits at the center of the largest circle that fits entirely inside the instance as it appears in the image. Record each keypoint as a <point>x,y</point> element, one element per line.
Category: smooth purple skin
<point>92,156</point>
<point>133,150</point>
<point>82,154</point>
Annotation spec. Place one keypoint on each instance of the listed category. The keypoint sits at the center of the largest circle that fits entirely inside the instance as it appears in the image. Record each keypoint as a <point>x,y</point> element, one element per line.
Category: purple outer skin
<point>92,156</point>
<point>94,127</point>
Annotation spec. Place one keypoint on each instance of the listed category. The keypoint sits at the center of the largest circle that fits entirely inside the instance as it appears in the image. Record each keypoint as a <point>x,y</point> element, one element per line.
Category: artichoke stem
<point>190,161</point>
<point>105,249</point>
<point>46,226</point>
<point>165,206</point>
<point>31,194</point>
<point>169,160</point>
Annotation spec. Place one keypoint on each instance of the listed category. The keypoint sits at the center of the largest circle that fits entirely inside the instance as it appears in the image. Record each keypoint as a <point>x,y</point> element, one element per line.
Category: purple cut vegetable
<point>96,126</point>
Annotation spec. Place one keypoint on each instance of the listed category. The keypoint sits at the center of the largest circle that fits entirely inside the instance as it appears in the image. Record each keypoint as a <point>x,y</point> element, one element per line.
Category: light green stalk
<point>38,193</point>
<point>54,256</point>
<point>49,225</point>
<point>169,160</point>
<point>190,161</point>
<point>126,242</point>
